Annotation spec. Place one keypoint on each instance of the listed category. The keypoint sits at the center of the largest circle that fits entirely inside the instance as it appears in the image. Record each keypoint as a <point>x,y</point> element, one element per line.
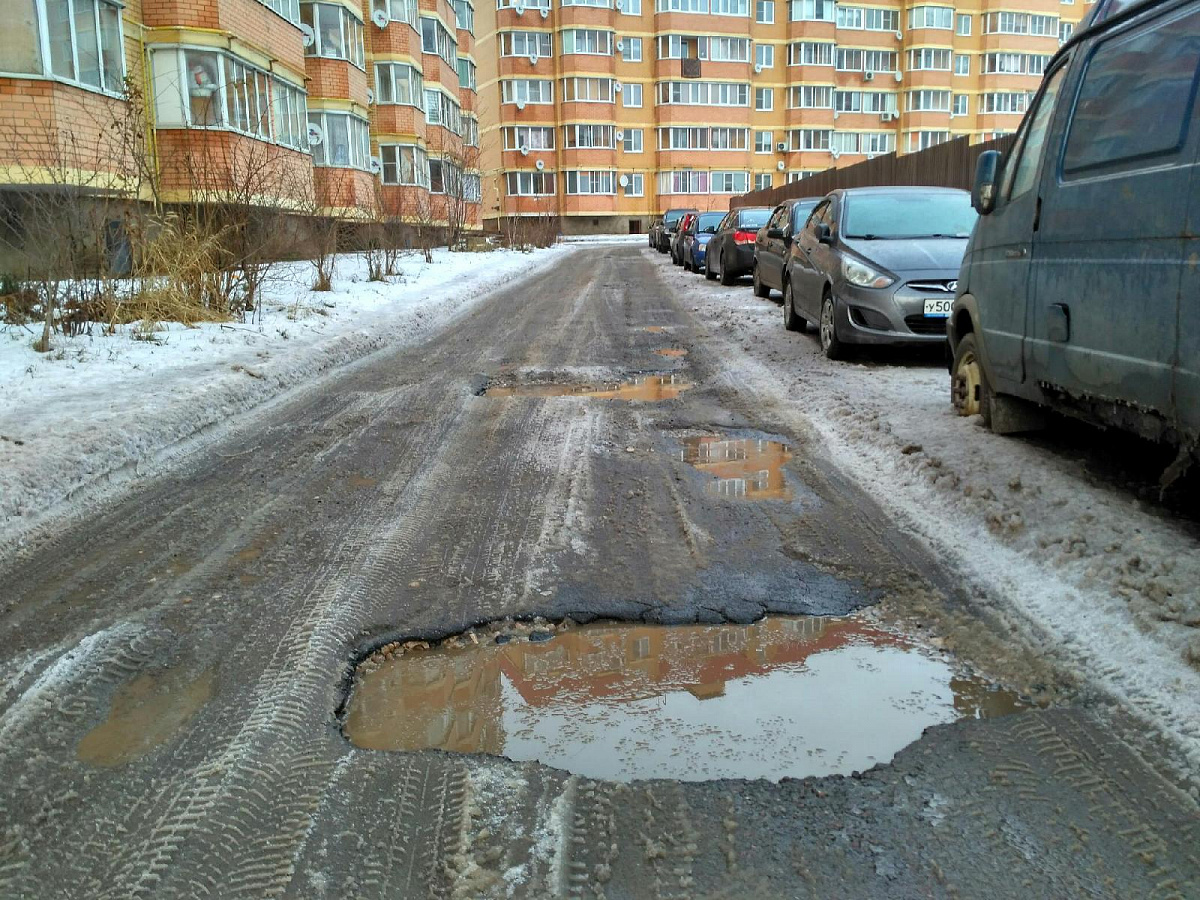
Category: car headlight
<point>860,274</point>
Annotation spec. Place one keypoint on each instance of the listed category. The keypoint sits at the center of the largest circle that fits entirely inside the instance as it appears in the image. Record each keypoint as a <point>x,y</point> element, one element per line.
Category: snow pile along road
<point>98,405</point>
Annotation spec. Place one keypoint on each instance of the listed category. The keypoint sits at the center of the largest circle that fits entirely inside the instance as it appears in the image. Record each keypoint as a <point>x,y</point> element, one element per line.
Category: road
<point>402,499</point>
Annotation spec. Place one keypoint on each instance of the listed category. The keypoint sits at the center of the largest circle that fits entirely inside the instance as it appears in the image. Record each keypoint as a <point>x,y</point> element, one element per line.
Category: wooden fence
<point>951,164</point>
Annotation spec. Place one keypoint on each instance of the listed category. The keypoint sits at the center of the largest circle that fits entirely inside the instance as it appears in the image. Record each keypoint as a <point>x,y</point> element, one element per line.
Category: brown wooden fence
<point>951,164</point>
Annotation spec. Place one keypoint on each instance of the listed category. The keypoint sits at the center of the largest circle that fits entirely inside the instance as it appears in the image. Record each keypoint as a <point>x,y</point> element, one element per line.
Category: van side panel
<point>1108,253</point>
<point>1187,373</point>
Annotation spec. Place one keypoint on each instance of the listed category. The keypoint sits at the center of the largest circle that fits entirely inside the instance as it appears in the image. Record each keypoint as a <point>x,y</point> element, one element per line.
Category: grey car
<point>878,266</point>
<point>666,231</point>
<point>773,244</point>
<point>731,251</point>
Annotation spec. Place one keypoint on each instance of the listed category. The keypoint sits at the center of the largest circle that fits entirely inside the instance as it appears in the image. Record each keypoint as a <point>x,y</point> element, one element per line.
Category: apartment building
<point>607,112</point>
<point>335,106</point>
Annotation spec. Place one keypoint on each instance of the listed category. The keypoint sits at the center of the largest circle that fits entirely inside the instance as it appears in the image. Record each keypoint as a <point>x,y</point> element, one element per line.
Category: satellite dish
<point>376,165</point>
<point>380,18</point>
<point>623,180</point>
<point>310,36</point>
<point>620,134</point>
<point>899,35</point>
<point>779,165</point>
<point>539,165</point>
<point>545,11</point>
<point>315,135</point>
<point>758,68</point>
<point>524,149</point>
<point>899,77</point>
<point>835,153</point>
<point>620,43</point>
<point>520,8</point>
<point>520,104</point>
<point>533,58</point>
<point>370,96</point>
<point>619,87</point>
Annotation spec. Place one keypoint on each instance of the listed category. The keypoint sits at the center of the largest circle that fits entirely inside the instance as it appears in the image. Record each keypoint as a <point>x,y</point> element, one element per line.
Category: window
<point>345,140</point>
<point>684,181</point>
<point>530,184</point>
<point>246,98</point>
<point>470,132</point>
<point>762,142</point>
<point>864,101</point>
<point>398,83</point>
<point>929,58</point>
<point>928,101</point>
<point>882,19</point>
<point>531,4</point>
<point>631,49</point>
<point>591,182</point>
<point>83,36</point>
<point>399,10</point>
<point>730,182</point>
<point>849,16</point>
<point>1019,23</point>
<point>730,7</point>
<point>404,164</point>
<point>337,33</point>
<point>683,138</point>
<point>764,12</point>
<point>1005,102</point>
<point>923,140</point>
<point>441,109</point>
<point>635,184</point>
<point>809,97</point>
<point>962,25</point>
<point>962,64</point>
<point>588,90</point>
<point>632,142</point>
<point>603,4</point>
<point>801,175</point>
<point>289,115</point>
<point>1065,30</point>
<point>808,139</point>
<point>464,15</point>
<point>725,49</point>
<point>436,38</point>
<point>588,137</point>
<point>631,96</point>
<point>632,8</point>
<point>1135,98</point>
<point>289,9</point>
<point>728,138</point>
<point>526,43</point>
<point>879,61</point>
<point>1015,63</point>
<point>527,90</point>
<point>1020,178</point>
<point>931,17</point>
<point>466,73</point>
<point>764,99</point>
<point>447,178</point>
<point>762,181</point>
<point>535,137</point>
<point>686,6</point>
<point>590,41</point>
<point>807,53</point>
<point>764,55</point>
<point>703,93</point>
<point>959,106</point>
<point>810,10</point>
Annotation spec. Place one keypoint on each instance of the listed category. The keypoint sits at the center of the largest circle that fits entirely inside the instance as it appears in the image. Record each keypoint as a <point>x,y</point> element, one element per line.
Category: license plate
<point>938,307</point>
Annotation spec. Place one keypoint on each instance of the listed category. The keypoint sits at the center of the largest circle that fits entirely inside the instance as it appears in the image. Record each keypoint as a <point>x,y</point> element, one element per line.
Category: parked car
<point>670,222</point>
<point>1079,288</point>
<point>677,238</point>
<point>730,252</point>
<point>878,265</point>
<point>653,232</point>
<point>695,241</point>
<point>773,243</point>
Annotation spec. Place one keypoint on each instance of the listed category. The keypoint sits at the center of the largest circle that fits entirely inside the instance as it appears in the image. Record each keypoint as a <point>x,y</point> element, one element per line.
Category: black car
<point>731,250</point>
<point>773,244</point>
<point>670,221</point>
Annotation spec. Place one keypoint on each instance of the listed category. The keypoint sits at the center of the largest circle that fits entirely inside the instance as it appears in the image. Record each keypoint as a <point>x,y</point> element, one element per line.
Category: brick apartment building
<point>322,105</point>
<point>607,112</point>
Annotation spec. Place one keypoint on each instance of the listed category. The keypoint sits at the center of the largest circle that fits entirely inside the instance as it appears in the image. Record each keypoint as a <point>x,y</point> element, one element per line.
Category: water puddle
<point>144,714</point>
<point>743,468</point>
<point>361,481</point>
<point>655,329</point>
<point>782,697</point>
<point>671,352</point>
<point>647,389</point>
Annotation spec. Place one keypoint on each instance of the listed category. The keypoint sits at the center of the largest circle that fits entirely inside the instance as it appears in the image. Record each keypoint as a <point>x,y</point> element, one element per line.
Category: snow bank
<point>98,405</point>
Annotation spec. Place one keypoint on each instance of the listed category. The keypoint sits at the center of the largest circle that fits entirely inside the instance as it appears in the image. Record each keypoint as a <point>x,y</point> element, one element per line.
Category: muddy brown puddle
<point>745,468</point>
<point>782,697</point>
<point>647,389</point>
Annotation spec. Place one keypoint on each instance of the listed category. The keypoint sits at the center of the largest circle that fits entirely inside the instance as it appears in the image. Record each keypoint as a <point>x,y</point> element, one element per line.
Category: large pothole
<point>781,697</point>
<point>642,389</point>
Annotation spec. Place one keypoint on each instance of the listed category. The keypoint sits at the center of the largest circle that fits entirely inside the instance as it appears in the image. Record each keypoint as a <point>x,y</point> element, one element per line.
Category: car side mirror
<point>775,234</point>
<point>983,194</point>
<point>824,234</point>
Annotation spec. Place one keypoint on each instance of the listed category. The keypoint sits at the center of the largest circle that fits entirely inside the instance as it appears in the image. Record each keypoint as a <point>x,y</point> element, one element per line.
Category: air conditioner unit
<point>309,36</point>
<point>315,134</point>
<point>779,165</point>
<point>380,18</point>
<point>539,165</point>
<point>524,149</point>
<point>376,165</point>
<point>370,96</point>
<point>520,104</point>
<point>619,134</point>
<point>899,77</point>
<point>781,147</point>
<point>623,180</point>
<point>758,68</point>
<point>868,76</point>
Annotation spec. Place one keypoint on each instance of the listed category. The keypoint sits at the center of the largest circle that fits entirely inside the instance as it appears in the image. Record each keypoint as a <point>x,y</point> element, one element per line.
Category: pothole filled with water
<point>745,468</point>
<point>646,389</point>
<point>782,697</point>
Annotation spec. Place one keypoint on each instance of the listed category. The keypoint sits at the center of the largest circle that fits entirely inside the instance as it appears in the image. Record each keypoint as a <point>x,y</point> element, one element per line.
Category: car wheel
<point>969,389</point>
<point>791,321</point>
<point>709,274</point>
<point>760,289</point>
<point>830,345</point>
<point>727,277</point>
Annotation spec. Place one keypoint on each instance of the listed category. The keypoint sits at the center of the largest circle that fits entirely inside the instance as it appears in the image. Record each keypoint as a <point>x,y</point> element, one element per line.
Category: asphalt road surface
<point>401,499</point>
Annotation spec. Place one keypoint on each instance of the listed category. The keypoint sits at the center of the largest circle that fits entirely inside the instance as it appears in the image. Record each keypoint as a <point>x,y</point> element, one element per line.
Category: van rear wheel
<point>969,390</point>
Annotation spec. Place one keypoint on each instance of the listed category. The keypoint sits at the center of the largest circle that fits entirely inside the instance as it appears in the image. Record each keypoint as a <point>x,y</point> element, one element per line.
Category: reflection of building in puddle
<point>647,389</point>
<point>747,468</point>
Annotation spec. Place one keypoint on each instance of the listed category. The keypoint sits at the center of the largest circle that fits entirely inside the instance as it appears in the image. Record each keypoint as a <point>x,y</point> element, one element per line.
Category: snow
<point>1098,578</point>
<point>98,408</point>
<point>605,238</point>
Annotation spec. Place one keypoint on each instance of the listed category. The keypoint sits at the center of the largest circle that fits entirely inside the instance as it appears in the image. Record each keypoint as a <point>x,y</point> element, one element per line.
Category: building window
<point>399,10</point>
<point>591,182</point>
<point>728,138</point>
<point>336,33</point>
<point>928,101</point>
<point>527,90</point>
<point>588,90</point>
<point>808,139</point>
<point>730,182</point>
<point>631,49</point>
<point>764,55</point>
<point>588,137</point>
<point>83,37</point>
<point>929,58</point>
<point>931,17</point>
<point>632,8</point>
<point>603,4</point>
<point>1065,30</point>
<point>634,184</point>
<point>470,132</point>
<point>1019,23</point>
<point>810,97</point>
<point>436,38</point>
<point>531,4</point>
<point>533,44</point>
<point>808,53</point>
<point>398,83</point>
<point>289,9</point>
<point>464,16</point>
<point>1004,102</point>
<point>529,137</point>
<point>684,181</point>
<point>703,93</point>
<point>764,12</point>
<point>631,96</point>
<point>962,64</point>
<point>466,73</point>
<point>1015,63</point>
<point>959,107</point>
<point>682,138</point>
<point>962,25</point>
<point>730,7</point>
<point>810,10</point>
<point>762,181</point>
<point>632,142</point>
<point>530,184</point>
<point>857,17</point>
<point>684,6</point>
<point>923,140</point>
<point>441,109</point>
<point>345,142</point>
<point>587,41</point>
<point>764,99</point>
<point>762,142</point>
<point>404,164</point>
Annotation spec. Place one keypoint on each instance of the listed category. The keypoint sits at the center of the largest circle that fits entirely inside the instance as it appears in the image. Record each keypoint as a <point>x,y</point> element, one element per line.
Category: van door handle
<point>1015,254</point>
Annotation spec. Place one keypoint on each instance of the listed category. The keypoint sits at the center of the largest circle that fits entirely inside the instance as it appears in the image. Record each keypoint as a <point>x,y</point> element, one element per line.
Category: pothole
<point>145,713</point>
<point>785,697</point>
<point>671,352</point>
<point>645,389</point>
<point>746,468</point>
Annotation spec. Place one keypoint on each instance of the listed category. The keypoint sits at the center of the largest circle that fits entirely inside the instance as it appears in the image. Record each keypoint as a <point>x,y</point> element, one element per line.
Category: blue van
<point>1080,287</point>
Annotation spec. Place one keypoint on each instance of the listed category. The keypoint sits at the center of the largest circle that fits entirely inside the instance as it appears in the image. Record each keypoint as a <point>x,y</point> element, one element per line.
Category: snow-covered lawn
<point>99,405</point>
<point>1101,578</point>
